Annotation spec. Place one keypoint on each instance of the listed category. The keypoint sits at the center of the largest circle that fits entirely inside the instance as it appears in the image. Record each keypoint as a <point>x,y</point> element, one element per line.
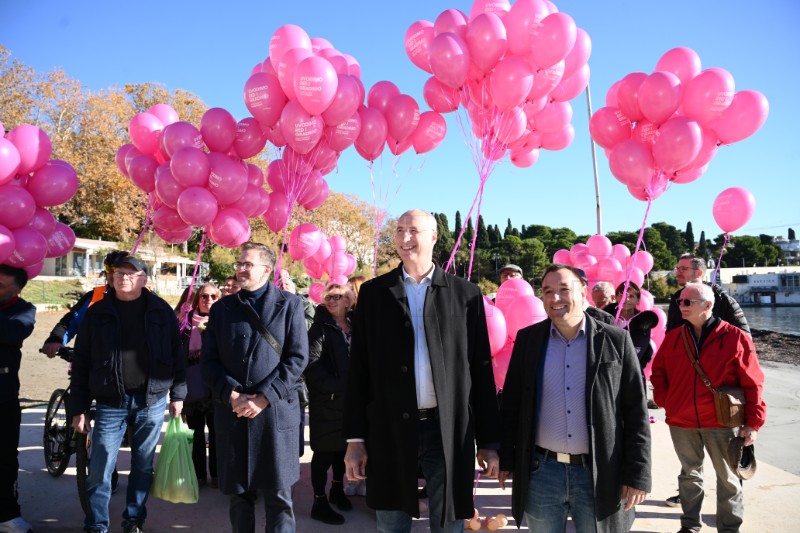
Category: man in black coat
<point>17,318</point>
<point>255,349</point>
<point>420,391</point>
<point>574,415</point>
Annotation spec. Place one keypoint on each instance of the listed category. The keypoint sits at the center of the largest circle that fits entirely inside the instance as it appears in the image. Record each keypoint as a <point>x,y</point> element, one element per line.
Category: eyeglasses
<point>334,297</point>
<point>122,275</point>
<point>684,269</point>
<point>245,266</point>
<point>209,296</point>
<point>686,302</point>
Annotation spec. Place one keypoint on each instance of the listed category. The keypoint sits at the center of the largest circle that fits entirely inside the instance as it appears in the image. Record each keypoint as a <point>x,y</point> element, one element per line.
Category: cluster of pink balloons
<point>197,178</point>
<point>513,67</point>
<point>515,307</point>
<point>666,127</point>
<point>733,208</point>
<point>321,256</point>
<point>30,182</point>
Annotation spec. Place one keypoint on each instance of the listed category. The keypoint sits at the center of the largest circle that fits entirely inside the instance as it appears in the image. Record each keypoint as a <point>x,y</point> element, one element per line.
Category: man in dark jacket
<point>574,415</point>
<point>17,318</point>
<point>255,349</point>
<point>128,356</point>
<point>421,391</point>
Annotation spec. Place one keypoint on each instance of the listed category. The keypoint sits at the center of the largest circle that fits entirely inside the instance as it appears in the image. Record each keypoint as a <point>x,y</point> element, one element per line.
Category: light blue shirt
<point>561,422</point>
<point>415,292</point>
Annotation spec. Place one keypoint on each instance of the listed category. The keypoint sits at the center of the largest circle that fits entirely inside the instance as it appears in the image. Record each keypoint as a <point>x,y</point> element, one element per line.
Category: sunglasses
<point>334,297</point>
<point>686,302</point>
<point>209,296</point>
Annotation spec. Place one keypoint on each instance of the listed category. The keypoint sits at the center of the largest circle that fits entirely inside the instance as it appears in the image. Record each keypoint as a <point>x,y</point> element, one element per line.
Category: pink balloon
<point>645,132</point>
<point>398,148</point>
<point>449,59</point>
<point>509,125</point>
<point>523,16</point>
<point>345,134</point>
<point>34,269</point>
<point>524,157</point>
<point>17,206</point>
<point>733,208</point>
<point>345,102</point>
<point>599,246</point>
<point>30,247</point>
<point>318,199</point>
<point>501,359</point>
<point>656,187</point>
<point>579,55</point>
<point>498,7</point>
<point>510,290</point>
<point>7,243</point>
<point>510,82</point>
<point>144,130</point>
<point>301,130</point>
<point>659,96</point>
<point>174,237</point>
<point>380,94</point>
<point>418,37</point>
<point>264,98</point>
<point>250,203</point>
<point>190,167</point>
<point>646,301</point>
<point>227,180</point>
<point>275,135</point>
<point>402,116</point>
<point>286,38</point>
<point>230,228</point>
<point>558,140</point>
<point>642,260</point>
<point>621,253</point>
<point>321,255</point>
<point>374,130</point>
<point>278,176</point>
<point>33,145</point>
<point>746,114</point>
<point>304,241</point>
<point>451,20</point>
<point>338,243</point>
<point>142,171</point>
<point>277,216</point>
<point>611,94</point>
<point>9,160</point>
<point>165,113</point>
<point>197,206</point>
<point>286,68</point>
<point>60,241</point>
<point>250,138</point>
<point>255,176</point>
<point>315,83</point>
<point>554,117</point>
<point>296,165</point>
<point>677,144</point>
<point>628,95</point>
<point>562,257</point>
<point>167,218</point>
<point>523,312</point>
<point>486,39</point>
<point>708,94</point>
<point>631,162</point>
<point>167,188</point>
<point>683,62</point>
<point>553,39</point>
<point>545,80</point>
<point>607,269</point>
<point>315,291</point>
<point>608,126</point>
<point>337,263</point>
<point>308,187</point>
<point>178,135</point>
<point>53,184</point>
<point>496,324</point>
<point>218,128</point>
<point>689,175</point>
<point>42,221</point>
<point>570,87</point>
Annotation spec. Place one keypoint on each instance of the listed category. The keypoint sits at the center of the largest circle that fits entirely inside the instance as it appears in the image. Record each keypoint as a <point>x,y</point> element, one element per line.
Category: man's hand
<point>250,405</point>
<point>502,477</point>
<point>51,348</point>
<point>175,408</point>
<point>632,496</point>
<point>489,462</point>
<point>748,434</point>
<point>355,461</point>
<point>81,423</point>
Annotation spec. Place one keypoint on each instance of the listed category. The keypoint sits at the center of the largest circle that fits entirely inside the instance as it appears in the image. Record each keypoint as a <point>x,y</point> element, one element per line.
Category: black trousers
<point>197,419</point>
<point>10,420</point>
<point>277,505</point>
<point>320,463</point>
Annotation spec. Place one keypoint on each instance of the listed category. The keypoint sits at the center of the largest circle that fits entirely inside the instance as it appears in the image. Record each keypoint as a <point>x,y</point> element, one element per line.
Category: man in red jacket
<point>728,357</point>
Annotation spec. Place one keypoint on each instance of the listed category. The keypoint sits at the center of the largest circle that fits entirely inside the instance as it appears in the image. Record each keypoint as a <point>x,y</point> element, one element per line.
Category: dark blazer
<point>257,453</point>
<point>619,426</point>
<point>380,402</point>
<point>16,324</point>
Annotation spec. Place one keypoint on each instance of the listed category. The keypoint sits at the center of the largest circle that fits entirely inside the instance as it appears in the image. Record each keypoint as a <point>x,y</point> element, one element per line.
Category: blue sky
<point>209,48</point>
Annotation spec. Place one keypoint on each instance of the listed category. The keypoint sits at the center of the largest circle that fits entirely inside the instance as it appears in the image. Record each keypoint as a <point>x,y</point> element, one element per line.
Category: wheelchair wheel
<point>56,434</point>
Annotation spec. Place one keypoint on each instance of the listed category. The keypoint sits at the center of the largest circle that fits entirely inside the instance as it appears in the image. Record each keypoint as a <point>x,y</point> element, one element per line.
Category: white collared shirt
<point>415,293</point>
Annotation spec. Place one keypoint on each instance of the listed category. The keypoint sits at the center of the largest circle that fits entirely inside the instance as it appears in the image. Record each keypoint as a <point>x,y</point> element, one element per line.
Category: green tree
<point>791,234</point>
<point>468,233</point>
<point>444,242</point>
<point>702,246</point>
<point>494,235</point>
<point>509,229</point>
<point>483,241</point>
<point>689,235</point>
<point>674,238</point>
<point>458,227</point>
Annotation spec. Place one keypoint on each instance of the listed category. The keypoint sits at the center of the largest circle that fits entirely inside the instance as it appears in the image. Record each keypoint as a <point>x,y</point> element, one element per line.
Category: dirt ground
<point>39,375</point>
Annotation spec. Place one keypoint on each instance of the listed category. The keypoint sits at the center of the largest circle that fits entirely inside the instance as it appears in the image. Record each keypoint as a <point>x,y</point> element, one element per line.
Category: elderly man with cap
<point>509,271</point>
<point>603,294</point>
<point>128,357</point>
<point>727,357</point>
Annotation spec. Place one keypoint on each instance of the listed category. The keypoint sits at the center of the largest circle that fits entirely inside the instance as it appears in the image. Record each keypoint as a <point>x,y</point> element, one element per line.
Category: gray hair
<point>267,254</point>
<point>604,286</point>
<point>705,291</point>
<point>697,262</point>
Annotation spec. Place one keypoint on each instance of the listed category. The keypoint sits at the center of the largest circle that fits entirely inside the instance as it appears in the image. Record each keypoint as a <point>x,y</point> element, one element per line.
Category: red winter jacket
<point>727,356</point>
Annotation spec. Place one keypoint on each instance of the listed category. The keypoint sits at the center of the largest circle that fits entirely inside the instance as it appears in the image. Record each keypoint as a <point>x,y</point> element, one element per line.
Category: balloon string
<point>378,219</point>
<point>475,488</point>
<point>475,233</point>
<point>187,306</point>
<point>721,253</point>
<point>147,219</point>
<point>629,269</point>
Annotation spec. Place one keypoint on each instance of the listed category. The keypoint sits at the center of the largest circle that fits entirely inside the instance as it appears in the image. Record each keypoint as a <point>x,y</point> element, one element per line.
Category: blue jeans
<point>557,490</point>
<point>110,424</point>
<point>431,460</point>
<point>277,506</point>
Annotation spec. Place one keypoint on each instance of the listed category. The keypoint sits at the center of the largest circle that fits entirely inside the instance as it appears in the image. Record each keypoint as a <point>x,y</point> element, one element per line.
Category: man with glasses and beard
<point>255,348</point>
<point>727,356</point>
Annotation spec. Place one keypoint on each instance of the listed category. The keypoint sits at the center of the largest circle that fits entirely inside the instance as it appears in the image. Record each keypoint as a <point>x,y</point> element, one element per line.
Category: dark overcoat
<point>326,377</point>
<point>261,452</point>
<point>619,426</point>
<point>381,404</point>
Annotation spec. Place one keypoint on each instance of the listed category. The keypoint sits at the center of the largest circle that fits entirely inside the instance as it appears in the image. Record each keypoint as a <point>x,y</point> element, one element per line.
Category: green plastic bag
<point>175,479</point>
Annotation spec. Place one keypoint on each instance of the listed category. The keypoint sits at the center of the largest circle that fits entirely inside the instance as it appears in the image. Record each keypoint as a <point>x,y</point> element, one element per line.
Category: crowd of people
<point>397,374</point>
